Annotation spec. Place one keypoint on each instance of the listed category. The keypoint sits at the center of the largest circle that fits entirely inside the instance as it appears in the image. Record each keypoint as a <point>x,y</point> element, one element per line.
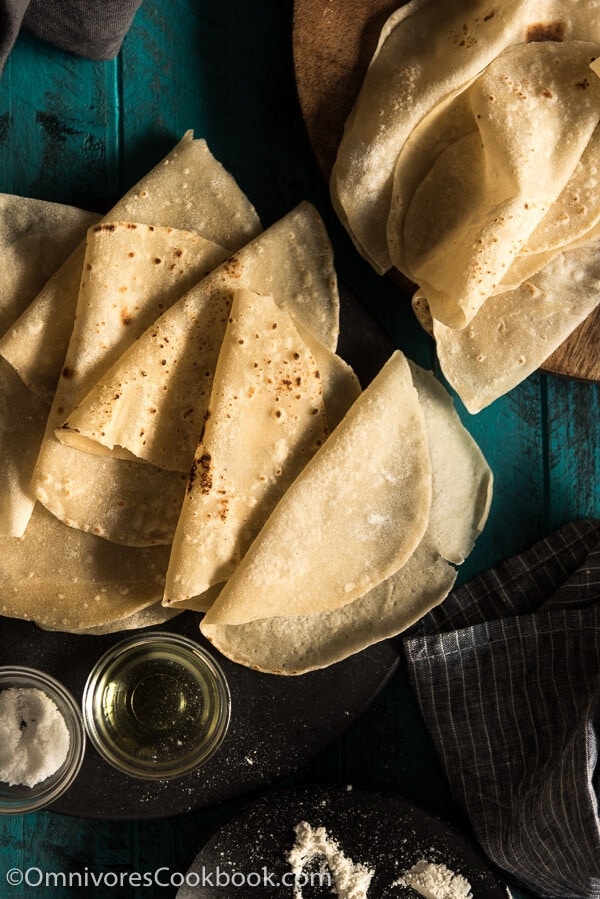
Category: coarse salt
<point>34,739</point>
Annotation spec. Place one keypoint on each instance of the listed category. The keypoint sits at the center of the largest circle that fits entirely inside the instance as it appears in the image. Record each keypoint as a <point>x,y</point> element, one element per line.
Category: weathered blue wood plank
<point>573,436</point>
<point>59,134</point>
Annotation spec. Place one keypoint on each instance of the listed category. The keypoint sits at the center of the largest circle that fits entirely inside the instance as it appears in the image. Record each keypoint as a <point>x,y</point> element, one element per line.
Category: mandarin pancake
<point>293,643</point>
<point>188,190</point>
<point>436,179</point>
<point>265,420</point>
<point>36,236</point>
<point>151,402</point>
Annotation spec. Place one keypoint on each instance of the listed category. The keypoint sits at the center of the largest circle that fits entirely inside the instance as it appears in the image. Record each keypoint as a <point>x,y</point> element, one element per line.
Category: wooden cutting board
<point>333,44</point>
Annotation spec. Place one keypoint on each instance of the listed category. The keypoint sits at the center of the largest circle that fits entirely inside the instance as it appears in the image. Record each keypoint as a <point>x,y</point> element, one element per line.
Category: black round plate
<point>277,723</point>
<point>382,831</point>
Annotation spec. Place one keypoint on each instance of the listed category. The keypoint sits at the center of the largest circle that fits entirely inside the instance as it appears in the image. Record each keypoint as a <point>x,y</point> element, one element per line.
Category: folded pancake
<point>36,236</point>
<point>152,403</point>
<point>66,580</point>
<point>461,493</point>
<point>189,190</point>
<point>513,333</point>
<point>266,418</point>
<point>353,516</point>
<point>132,272</point>
<point>535,109</point>
<point>469,164</point>
<point>428,51</point>
<point>22,424</point>
<point>163,376</point>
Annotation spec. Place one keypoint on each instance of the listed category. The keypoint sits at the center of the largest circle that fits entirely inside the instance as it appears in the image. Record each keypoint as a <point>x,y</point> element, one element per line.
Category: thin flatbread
<point>266,418</point>
<point>514,332</point>
<point>487,193</point>
<point>188,190</point>
<point>174,362</point>
<point>152,403</point>
<point>67,580</point>
<point>462,489</point>
<point>36,236</point>
<point>429,51</point>
<point>132,273</point>
<point>22,423</point>
<point>374,471</point>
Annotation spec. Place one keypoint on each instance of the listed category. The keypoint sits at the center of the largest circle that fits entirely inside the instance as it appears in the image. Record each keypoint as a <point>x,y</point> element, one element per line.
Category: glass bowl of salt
<point>42,739</point>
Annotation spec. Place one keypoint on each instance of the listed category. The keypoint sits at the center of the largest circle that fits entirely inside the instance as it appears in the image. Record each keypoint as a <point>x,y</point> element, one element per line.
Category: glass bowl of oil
<point>156,706</point>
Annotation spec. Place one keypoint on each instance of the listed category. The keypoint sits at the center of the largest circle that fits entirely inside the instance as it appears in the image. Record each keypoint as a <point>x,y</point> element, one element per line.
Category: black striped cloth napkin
<point>507,675</point>
<point>94,29</point>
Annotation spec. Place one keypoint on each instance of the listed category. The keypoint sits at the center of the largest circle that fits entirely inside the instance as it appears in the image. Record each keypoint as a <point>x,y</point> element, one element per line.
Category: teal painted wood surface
<point>81,132</point>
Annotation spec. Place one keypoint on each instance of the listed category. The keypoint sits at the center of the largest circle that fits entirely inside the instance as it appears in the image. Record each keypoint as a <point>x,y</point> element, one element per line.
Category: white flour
<point>350,880</point>
<point>435,881</point>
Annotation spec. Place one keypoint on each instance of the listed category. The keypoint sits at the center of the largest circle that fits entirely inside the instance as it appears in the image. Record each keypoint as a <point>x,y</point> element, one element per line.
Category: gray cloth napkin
<point>94,29</point>
<point>507,675</point>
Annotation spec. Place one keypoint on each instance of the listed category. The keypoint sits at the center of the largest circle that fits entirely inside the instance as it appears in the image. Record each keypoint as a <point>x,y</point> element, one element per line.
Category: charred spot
<point>296,356</point>
<point>68,373</point>
<point>178,252</point>
<point>201,472</point>
<point>126,317</point>
<point>131,254</point>
<point>584,84</point>
<point>233,267</point>
<point>98,228</point>
<point>157,260</point>
<point>223,506</point>
<point>132,226</point>
<point>545,31</point>
<point>489,16</point>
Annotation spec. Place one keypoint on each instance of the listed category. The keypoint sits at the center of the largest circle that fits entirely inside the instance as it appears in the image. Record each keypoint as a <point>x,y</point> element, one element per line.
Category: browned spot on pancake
<point>201,472</point>
<point>545,31</point>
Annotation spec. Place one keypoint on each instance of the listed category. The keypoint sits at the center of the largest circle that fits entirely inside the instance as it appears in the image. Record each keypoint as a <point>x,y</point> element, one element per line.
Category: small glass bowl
<point>156,706</point>
<point>17,799</point>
